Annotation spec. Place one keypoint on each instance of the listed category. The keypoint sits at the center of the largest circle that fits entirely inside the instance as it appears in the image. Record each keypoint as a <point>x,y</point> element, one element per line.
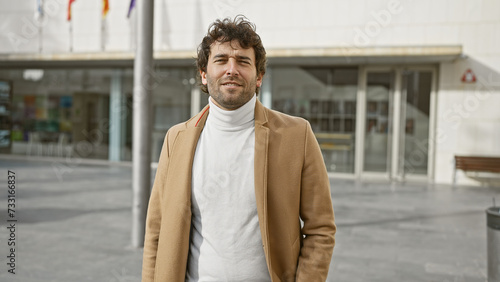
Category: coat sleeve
<point>316,211</point>
<point>154,215</point>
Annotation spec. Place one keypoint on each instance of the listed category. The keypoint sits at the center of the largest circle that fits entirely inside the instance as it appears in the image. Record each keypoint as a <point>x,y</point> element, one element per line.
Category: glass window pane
<point>326,97</point>
<point>417,88</point>
<point>378,102</point>
<point>171,103</point>
<point>71,112</point>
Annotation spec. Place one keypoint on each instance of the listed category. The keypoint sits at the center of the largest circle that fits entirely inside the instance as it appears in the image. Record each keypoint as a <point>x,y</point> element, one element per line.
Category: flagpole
<point>105,10</point>
<point>102,33</point>
<point>39,13</point>
<point>71,35</point>
<point>40,39</point>
<point>70,20</point>
<point>132,25</point>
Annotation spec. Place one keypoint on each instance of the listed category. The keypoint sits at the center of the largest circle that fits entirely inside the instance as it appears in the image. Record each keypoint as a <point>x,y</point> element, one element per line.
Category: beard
<point>231,98</point>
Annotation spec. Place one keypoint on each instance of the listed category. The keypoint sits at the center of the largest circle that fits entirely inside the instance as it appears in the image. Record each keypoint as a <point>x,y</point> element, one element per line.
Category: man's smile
<point>231,83</point>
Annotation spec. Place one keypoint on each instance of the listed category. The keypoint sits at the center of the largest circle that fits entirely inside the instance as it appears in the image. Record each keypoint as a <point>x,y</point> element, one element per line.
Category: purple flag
<point>132,5</point>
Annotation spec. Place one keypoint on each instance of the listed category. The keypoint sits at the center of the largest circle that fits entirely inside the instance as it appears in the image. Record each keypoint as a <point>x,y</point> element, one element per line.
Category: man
<point>234,181</point>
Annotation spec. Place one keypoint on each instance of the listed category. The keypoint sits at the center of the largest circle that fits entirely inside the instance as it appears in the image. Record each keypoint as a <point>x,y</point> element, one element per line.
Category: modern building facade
<point>393,89</point>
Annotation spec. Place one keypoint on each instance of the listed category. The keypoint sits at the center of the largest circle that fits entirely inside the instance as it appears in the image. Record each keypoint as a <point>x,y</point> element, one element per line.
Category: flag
<point>39,9</point>
<point>132,5</point>
<point>105,8</point>
<point>69,9</point>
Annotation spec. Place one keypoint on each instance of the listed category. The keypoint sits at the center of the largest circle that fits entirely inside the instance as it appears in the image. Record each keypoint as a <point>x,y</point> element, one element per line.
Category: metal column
<point>141,146</point>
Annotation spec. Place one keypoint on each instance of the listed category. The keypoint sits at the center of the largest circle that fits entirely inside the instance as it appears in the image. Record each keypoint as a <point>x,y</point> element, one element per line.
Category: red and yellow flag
<point>105,8</point>
<point>69,9</point>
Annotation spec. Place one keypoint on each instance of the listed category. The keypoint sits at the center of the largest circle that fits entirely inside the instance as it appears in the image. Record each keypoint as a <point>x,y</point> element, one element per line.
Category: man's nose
<point>232,67</point>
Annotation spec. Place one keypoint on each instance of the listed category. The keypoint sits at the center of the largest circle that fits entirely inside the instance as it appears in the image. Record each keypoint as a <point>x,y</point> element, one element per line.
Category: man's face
<point>231,75</point>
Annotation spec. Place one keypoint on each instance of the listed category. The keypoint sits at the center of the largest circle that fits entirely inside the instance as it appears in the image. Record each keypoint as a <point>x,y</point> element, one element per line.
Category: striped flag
<point>132,5</point>
<point>105,8</point>
<point>69,9</point>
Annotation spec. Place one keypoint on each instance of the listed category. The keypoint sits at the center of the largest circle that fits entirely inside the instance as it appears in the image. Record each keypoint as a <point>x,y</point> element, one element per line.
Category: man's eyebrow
<point>239,57</point>
<point>218,56</point>
<point>243,58</point>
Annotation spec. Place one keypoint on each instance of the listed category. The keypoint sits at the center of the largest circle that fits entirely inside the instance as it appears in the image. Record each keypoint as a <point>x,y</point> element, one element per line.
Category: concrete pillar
<point>195,99</point>
<point>117,116</point>
<point>397,162</point>
<point>265,91</point>
<point>144,83</point>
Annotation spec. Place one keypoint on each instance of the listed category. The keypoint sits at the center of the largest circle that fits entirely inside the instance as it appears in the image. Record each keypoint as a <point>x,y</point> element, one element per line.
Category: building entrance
<point>394,123</point>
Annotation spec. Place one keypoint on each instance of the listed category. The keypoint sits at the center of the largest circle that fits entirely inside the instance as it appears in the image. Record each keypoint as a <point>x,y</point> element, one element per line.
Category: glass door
<point>377,133</point>
<point>415,120</point>
<point>395,123</point>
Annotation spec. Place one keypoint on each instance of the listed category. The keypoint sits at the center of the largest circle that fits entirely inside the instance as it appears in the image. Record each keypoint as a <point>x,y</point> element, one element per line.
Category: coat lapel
<point>260,174</point>
<point>177,202</point>
<point>183,155</point>
<point>182,162</point>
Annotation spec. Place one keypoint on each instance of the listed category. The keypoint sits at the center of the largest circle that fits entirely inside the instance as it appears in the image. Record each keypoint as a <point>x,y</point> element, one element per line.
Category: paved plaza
<point>74,224</point>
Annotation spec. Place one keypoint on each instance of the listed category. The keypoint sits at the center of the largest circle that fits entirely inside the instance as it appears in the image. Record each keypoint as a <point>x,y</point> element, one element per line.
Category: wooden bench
<point>477,164</point>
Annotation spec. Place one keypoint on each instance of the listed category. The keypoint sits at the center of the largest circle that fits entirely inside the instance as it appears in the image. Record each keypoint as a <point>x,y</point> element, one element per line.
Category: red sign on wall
<point>469,76</point>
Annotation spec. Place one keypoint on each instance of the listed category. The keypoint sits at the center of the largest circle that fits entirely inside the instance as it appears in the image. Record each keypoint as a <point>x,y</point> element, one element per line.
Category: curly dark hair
<point>227,30</point>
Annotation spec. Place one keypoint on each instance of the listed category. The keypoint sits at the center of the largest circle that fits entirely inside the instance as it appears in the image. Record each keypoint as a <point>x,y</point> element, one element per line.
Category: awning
<point>365,55</point>
<point>294,56</point>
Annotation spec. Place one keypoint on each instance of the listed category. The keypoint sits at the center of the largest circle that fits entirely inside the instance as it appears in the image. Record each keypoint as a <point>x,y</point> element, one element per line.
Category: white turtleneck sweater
<point>226,243</point>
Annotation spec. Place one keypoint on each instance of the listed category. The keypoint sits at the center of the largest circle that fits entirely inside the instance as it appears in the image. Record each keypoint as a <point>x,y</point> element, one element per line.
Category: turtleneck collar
<point>238,119</point>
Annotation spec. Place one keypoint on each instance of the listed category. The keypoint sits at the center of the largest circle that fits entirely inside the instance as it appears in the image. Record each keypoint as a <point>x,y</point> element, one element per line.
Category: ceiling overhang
<point>276,56</point>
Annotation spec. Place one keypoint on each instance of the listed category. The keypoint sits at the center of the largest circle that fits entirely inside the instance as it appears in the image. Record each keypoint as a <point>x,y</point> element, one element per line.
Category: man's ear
<point>203,77</point>
<point>259,80</point>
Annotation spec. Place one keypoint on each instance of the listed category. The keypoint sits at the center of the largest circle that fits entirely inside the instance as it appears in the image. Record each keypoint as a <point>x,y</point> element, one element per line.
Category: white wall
<point>179,24</point>
<point>468,117</point>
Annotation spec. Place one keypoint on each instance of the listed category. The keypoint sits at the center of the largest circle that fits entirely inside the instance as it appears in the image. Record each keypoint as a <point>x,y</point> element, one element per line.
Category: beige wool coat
<point>291,183</point>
